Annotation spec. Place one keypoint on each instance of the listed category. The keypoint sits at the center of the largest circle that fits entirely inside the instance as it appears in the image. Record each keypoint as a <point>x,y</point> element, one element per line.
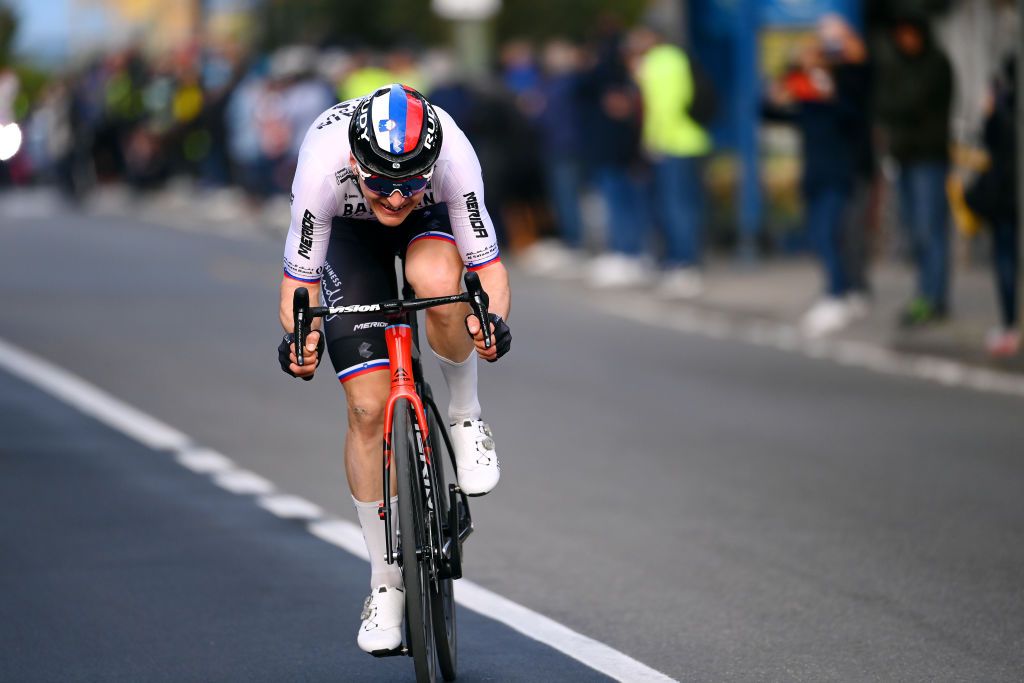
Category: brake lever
<point>479,302</point>
<point>300,312</point>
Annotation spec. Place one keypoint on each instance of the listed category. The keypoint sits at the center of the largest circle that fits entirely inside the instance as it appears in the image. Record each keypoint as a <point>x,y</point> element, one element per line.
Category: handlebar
<point>303,313</point>
<point>478,302</point>
<point>300,312</point>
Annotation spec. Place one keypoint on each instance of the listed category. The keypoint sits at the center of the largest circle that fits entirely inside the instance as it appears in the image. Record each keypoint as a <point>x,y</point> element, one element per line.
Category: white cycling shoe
<point>478,468</point>
<point>383,611</point>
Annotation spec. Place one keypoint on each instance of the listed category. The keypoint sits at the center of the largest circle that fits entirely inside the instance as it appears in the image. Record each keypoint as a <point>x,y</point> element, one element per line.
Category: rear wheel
<point>442,590</point>
<point>413,525</point>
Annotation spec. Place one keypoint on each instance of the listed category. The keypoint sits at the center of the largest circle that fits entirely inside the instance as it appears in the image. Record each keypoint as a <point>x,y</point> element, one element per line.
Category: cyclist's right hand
<point>501,337</point>
<point>315,344</point>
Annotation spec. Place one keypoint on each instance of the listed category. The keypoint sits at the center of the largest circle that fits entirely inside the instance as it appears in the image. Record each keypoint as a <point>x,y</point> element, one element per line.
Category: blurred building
<point>160,25</point>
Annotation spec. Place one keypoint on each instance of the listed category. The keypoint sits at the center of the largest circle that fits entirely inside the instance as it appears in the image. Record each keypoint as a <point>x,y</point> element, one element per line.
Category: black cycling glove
<point>501,337</point>
<point>284,351</point>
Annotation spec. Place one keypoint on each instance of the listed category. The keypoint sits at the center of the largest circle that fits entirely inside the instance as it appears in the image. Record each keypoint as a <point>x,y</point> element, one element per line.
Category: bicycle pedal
<point>399,651</point>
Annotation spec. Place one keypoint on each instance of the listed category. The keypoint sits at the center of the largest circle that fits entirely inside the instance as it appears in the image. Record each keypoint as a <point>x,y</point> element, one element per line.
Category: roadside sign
<point>466,10</point>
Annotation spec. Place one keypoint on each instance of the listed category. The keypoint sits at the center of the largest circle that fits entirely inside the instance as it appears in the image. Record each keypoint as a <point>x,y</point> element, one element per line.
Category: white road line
<point>153,433</point>
<point>243,482</point>
<point>849,353</point>
<point>91,400</point>
<point>594,654</point>
<point>288,506</point>
<point>344,534</point>
<point>204,461</point>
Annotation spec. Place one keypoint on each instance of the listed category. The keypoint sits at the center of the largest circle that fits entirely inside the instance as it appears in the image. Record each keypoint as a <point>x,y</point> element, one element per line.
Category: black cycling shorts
<point>360,269</point>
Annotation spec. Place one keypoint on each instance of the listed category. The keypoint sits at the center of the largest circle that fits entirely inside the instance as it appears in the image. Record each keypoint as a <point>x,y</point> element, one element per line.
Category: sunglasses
<point>385,187</point>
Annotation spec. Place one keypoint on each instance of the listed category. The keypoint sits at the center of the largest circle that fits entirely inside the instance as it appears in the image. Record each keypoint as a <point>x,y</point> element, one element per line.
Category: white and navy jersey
<point>325,187</point>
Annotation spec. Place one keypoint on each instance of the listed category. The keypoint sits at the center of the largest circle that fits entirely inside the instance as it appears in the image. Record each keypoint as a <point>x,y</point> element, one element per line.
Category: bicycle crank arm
<point>460,526</point>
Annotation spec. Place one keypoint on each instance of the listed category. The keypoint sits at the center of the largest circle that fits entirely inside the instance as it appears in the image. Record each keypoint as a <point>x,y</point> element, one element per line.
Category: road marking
<point>849,353</point>
<point>204,461</point>
<point>153,433</point>
<point>287,506</point>
<point>91,400</point>
<point>243,482</point>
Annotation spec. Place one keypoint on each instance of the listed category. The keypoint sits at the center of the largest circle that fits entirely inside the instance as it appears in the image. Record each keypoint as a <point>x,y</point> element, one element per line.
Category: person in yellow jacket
<point>676,145</point>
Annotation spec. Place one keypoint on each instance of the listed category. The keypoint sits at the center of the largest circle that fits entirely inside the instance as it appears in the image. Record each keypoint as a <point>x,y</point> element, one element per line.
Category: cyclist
<point>383,176</point>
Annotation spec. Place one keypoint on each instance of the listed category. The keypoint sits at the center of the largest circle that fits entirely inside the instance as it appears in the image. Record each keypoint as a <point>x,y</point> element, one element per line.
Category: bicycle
<point>431,527</point>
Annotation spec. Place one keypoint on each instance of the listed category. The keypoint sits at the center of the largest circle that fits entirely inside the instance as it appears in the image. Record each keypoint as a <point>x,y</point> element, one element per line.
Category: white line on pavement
<point>91,400</point>
<point>153,433</point>
<point>287,506</point>
<point>204,460</point>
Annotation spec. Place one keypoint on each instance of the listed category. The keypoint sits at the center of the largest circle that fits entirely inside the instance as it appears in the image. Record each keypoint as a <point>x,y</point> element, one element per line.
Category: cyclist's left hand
<point>501,337</point>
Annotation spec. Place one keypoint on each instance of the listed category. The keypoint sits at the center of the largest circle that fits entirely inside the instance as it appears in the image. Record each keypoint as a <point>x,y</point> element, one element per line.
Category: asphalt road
<point>716,510</point>
<point>123,566</point>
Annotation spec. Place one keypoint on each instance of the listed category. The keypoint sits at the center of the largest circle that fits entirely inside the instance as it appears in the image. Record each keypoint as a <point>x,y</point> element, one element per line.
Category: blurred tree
<point>8,28</point>
<point>881,12</point>
<point>350,23</point>
<point>541,19</point>
<point>387,23</point>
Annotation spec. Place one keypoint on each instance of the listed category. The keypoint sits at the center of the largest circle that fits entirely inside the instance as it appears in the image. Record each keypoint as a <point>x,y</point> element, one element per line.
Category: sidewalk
<point>780,289</point>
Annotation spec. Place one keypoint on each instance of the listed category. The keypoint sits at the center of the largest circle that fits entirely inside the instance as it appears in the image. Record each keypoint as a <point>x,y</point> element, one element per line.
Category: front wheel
<point>415,548</point>
<point>442,590</point>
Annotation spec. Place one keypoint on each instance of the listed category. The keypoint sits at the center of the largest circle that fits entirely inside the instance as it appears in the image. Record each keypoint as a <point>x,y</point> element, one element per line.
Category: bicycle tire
<point>442,590</point>
<point>412,527</point>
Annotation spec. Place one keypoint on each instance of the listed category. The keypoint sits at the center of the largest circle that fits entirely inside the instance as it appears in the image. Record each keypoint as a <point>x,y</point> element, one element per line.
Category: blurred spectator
<point>676,146</point>
<point>611,124</point>
<point>304,95</point>
<point>366,76</point>
<point>509,145</point>
<point>401,64</point>
<point>826,92</point>
<point>561,143</point>
<point>519,70</point>
<point>221,72</point>
<point>119,82</point>
<point>447,90</point>
<point>913,99</point>
<point>50,138</point>
<point>994,197</point>
<point>854,74</point>
<point>244,144</point>
<point>275,135</point>
<point>9,87</point>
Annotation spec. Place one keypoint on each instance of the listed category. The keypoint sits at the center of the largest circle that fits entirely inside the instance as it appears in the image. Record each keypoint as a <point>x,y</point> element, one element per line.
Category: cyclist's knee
<point>434,274</point>
<point>366,417</point>
<point>366,396</point>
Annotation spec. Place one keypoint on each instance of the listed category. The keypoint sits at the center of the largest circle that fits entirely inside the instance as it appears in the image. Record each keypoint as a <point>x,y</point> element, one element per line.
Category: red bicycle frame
<point>399,341</point>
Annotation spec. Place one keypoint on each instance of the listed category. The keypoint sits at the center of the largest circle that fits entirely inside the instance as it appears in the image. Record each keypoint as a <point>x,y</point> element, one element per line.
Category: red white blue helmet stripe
<point>397,120</point>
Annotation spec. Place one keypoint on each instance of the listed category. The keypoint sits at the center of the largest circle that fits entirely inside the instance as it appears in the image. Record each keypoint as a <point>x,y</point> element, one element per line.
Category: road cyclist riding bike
<point>382,176</point>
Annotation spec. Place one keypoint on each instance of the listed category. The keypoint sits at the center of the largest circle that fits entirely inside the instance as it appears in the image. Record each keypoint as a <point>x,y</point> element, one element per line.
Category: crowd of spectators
<point>623,118</point>
<point>855,101</point>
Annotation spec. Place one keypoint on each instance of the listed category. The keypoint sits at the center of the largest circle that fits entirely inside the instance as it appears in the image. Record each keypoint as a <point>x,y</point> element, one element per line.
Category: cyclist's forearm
<point>288,287</point>
<point>494,279</point>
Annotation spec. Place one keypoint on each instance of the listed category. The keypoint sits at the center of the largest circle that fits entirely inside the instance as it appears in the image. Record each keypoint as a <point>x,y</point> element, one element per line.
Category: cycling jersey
<point>325,187</point>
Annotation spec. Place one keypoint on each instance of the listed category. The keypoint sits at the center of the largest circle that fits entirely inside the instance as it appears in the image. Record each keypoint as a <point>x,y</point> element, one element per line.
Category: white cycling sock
<point>461,381</point>
<point>373,533</point>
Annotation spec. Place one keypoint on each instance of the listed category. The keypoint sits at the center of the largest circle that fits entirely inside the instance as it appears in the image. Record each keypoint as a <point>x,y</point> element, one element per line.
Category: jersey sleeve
<point>314,203</point>
<point>462,189</point>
